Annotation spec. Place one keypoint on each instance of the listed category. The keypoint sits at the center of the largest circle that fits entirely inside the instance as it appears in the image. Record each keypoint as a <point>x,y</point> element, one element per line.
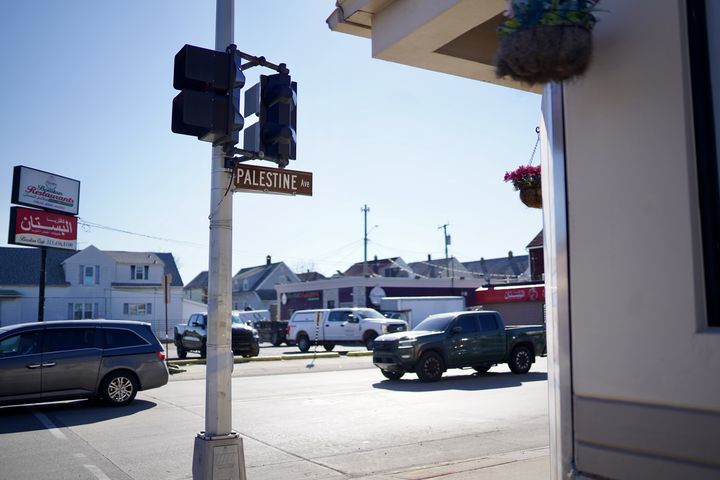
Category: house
<point>508,269</point>
<point>197,289</point>
<point>90,283</point>
<point>630,189</point>
<point>385,267</point>
<point>253,288</point>
<point>441,268</point>
<point>311,276</point>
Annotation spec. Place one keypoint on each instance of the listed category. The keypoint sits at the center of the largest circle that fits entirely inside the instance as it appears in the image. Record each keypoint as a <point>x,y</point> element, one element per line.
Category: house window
<point>89,274</point>
<point>139,272</point>
<point>137,309</point>
<point>82,311</point>
<point>704,46</point>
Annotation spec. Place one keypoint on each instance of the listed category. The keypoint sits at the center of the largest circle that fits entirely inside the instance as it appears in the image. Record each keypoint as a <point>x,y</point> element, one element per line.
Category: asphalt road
<point>331,418</point>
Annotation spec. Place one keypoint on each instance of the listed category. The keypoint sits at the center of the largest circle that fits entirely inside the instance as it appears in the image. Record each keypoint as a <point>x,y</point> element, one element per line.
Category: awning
<point>510,294</point>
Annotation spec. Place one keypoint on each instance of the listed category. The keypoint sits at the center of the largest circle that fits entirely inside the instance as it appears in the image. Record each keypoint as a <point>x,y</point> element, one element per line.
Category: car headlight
<point>407,343</point>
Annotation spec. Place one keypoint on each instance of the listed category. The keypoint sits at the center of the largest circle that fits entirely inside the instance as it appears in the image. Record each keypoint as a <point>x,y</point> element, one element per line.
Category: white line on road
<point>97,472</point>
<point>52,428</point>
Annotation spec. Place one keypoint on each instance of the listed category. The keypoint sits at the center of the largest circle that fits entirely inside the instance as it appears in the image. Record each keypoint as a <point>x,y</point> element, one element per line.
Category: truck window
<point>368,314</point>
<point>488,323</point>
<point>338,316</point>
<point>468,323</point>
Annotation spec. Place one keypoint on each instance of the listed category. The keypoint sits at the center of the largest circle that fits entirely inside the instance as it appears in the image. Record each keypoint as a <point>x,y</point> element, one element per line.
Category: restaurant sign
<point>252,178</point>
<point>35,188</point>
<point>38,228</point>
<point>510,295</point>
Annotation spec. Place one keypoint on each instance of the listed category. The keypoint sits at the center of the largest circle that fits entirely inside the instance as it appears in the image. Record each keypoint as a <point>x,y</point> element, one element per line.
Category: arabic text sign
<point>251,178</point>
<point>503,295</point>
<point>38,228</point>
<point>36,188</point>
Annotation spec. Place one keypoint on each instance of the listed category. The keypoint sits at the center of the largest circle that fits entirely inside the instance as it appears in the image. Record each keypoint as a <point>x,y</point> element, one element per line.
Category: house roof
<point>438,268</point>
<point>21,266</point>
<point>510,265</point>
<point>133,258</point>
<point>311,276</point>
<point>373,266</point>
<point>254,275</point>
<point>200,281</point>
<point>536,242</point>
<point>17,265</point>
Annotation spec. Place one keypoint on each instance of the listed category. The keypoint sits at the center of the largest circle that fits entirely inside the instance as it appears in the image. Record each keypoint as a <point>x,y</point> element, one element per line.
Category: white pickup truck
<point>347,326</point>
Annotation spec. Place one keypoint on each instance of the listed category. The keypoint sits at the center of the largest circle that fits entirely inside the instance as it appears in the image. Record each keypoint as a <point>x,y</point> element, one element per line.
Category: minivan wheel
<point>430,367</point>
<point>119,388</point>
<point>303,343</point>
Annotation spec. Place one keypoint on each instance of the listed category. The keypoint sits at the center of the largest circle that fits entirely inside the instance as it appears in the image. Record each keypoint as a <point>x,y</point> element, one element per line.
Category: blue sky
<point>87,93</point>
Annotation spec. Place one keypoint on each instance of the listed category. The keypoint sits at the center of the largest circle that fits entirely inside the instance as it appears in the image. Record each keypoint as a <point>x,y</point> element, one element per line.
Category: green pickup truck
<point>476,339</point>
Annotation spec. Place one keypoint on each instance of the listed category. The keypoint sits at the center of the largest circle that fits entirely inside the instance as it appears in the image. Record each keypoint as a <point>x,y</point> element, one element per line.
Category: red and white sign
<point>510,295</point>
<point>39,228</point>
<point>36,188</point>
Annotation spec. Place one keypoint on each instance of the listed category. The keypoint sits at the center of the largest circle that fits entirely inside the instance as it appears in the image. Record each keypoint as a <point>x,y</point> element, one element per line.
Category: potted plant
<point>526,179</point>
<point>545,40</point>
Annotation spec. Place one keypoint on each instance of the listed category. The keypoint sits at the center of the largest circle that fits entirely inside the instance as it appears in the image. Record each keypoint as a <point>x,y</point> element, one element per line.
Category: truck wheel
<point>430,367</point>
<point>119,388</point>
<point>203,350</point>
<point>392,375</point>
<point>370,340</point>
<point>481,368</point>
<point>328,346</point>
<point>303,343</point>
<point>520,360</point>
<point>181,352</point>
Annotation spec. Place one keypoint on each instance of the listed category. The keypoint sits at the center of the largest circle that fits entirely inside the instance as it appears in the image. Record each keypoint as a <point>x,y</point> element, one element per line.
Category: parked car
<point>193,336</point>
<point>475,340</point>
<point>69,359</point>
<point>346,326</point>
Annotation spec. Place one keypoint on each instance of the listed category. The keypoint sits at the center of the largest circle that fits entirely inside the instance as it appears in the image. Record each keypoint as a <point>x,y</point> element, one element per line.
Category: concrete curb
<point>269,358</point>
<point>359,354</point>
<point>307,356</point>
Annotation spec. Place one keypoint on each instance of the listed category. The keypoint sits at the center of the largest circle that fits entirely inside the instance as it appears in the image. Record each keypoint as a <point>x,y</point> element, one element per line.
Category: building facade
<point>630,197</point>
<point>90,283</point>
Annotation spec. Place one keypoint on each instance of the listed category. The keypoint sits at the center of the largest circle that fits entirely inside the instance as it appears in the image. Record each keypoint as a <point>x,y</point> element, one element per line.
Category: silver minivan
<point>69,359</point>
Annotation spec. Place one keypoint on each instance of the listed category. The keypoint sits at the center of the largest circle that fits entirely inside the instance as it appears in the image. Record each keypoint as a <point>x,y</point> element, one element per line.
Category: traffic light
<point>274,99</point>
<point>208,104</point>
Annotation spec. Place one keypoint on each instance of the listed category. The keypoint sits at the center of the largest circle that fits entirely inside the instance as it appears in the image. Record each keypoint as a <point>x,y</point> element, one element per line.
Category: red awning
<point>535,293</point>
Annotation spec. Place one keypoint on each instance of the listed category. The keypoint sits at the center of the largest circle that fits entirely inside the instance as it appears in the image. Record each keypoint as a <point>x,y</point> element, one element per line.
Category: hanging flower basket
<point>545,41</point>
<point>531,196</point>
<point>526,179</point>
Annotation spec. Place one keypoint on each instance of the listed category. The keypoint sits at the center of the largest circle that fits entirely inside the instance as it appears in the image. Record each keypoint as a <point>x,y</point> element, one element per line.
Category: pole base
<point>218,458</point>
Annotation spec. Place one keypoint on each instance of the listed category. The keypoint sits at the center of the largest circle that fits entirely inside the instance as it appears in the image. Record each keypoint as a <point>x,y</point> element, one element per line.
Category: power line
<point>89,225</point>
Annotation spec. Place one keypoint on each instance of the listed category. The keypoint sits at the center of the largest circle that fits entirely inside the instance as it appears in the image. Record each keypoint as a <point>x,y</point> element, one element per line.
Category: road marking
<point>51,427</point>
<point>97,472</point>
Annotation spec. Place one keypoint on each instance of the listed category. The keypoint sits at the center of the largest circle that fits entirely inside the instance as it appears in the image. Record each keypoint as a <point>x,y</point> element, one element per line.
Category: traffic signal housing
<point>274,99</point>
<point>208,105</point>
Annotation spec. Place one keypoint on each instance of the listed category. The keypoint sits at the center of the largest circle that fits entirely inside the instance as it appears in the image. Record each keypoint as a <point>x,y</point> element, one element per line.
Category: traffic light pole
<point>218,451</point>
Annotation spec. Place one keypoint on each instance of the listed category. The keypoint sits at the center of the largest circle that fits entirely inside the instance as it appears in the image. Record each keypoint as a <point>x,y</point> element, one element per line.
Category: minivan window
<point>117,338</point>
<point>58,339</point>
<point>23,344</point>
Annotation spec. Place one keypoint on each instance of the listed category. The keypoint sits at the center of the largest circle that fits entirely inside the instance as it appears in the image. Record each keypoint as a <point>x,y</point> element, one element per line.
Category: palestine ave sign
<point>252,178</point>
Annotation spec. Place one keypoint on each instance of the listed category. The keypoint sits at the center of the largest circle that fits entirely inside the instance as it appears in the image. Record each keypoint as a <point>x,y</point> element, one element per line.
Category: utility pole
<point>218,450</point>
<point>365,210</point>
<point>448,266</point>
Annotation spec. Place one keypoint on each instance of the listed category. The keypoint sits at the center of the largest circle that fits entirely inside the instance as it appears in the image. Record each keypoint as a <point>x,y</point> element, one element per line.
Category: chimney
<point>429,259</point>
<point>268,259</point>
<point>375,258</point>
<point>510,254</point>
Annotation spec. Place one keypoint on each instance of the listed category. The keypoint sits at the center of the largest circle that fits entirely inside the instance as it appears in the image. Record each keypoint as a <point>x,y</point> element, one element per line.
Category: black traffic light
<point>275,134</point>
<point>208,105</point>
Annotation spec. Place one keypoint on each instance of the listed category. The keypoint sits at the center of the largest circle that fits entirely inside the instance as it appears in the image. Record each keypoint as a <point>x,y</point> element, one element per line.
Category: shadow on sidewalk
<point>475,381</point>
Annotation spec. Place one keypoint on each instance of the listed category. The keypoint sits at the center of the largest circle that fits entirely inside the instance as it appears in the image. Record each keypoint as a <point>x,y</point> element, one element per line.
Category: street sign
<point>38,228</point>
<point>251,178</point>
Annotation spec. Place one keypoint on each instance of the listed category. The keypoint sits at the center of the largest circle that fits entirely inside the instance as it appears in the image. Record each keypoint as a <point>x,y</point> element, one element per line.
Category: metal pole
<point>365,210</point>
<point>41,289</point>
<point>218,450</point>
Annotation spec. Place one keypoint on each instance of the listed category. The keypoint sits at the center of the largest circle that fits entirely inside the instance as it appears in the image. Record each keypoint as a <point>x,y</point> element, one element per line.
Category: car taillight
<point>161,356</point>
